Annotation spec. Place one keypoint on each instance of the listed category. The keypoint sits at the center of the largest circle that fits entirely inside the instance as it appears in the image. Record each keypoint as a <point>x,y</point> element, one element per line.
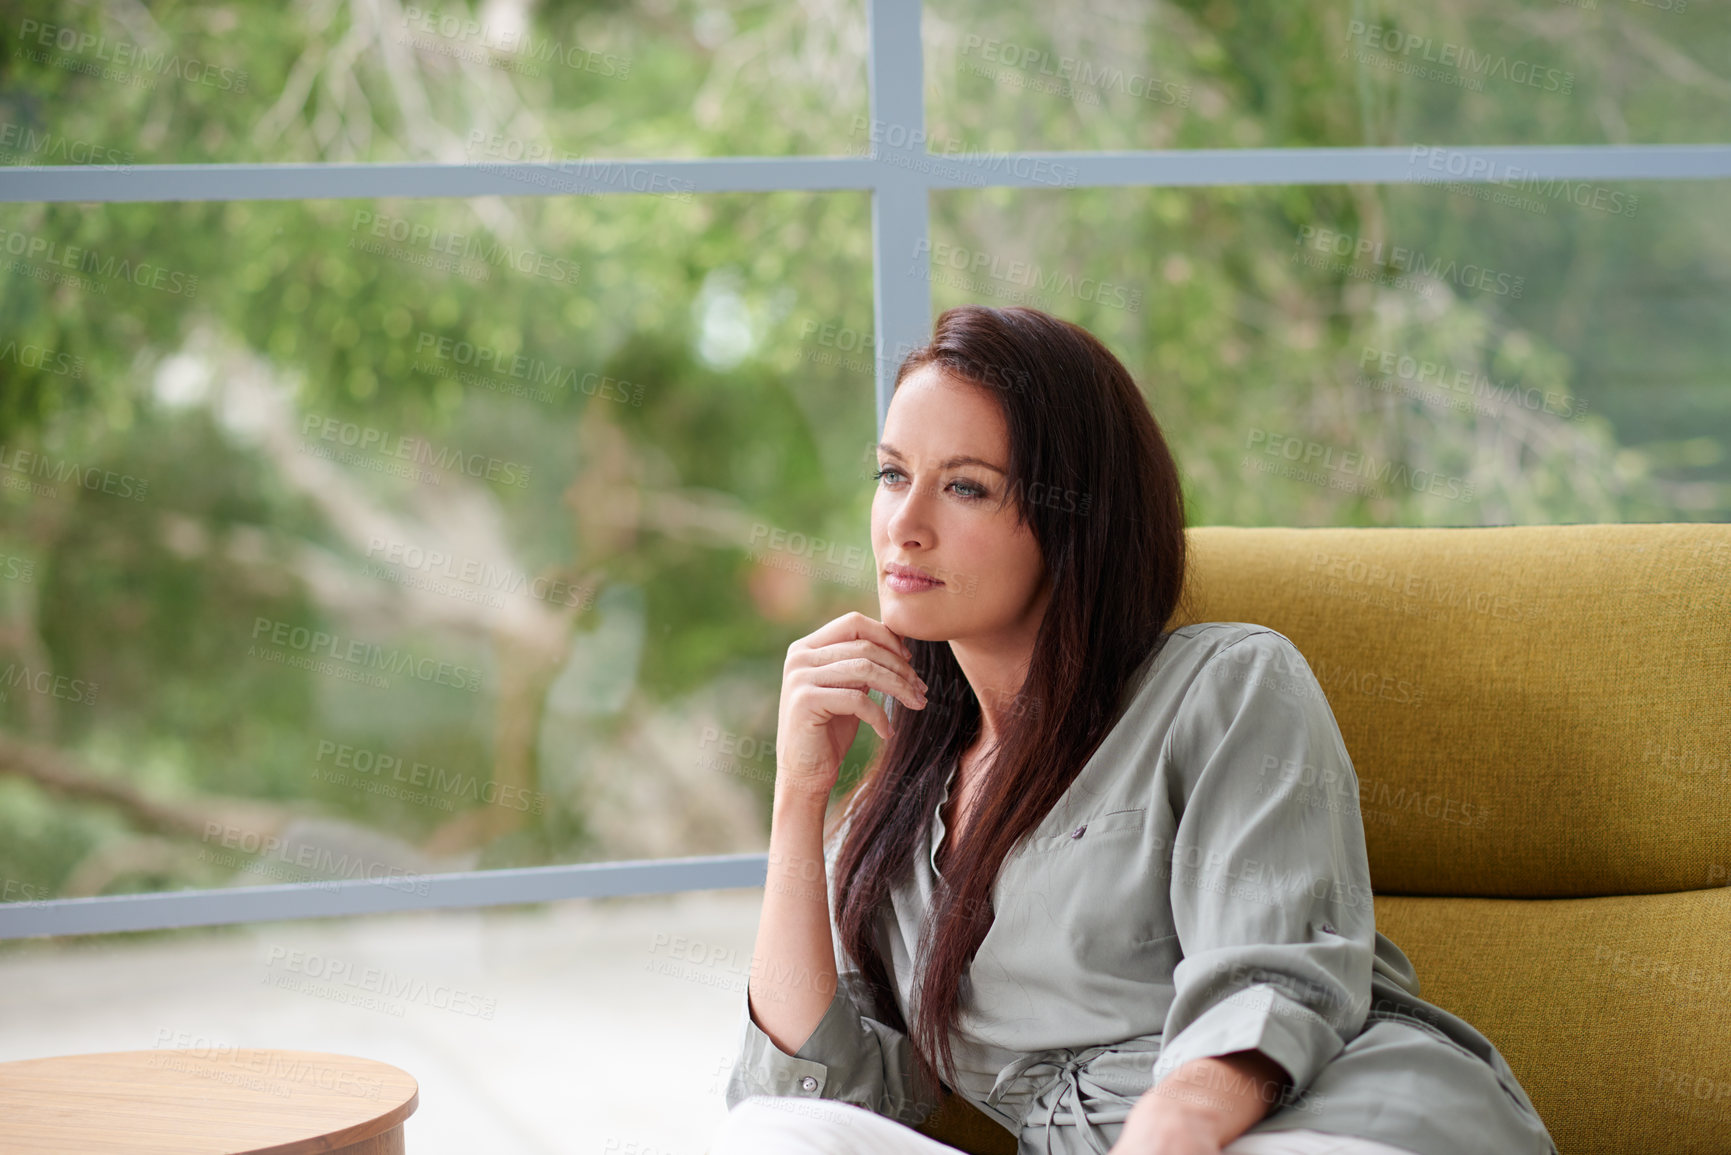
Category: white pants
<point>766,1125</point>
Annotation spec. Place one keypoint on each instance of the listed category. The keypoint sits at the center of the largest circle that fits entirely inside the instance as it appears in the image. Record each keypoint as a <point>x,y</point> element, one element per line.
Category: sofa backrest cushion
<point>1532,711</point>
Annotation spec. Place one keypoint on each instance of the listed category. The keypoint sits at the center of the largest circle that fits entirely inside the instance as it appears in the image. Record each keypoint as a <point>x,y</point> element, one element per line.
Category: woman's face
<point>950,519</point>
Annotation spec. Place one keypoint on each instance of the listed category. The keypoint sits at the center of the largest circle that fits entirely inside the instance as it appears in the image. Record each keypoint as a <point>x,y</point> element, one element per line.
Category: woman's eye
<point>963,487</point>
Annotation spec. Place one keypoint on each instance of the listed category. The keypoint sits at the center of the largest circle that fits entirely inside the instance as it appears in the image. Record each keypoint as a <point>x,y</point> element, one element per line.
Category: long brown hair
<point>1091,473</point>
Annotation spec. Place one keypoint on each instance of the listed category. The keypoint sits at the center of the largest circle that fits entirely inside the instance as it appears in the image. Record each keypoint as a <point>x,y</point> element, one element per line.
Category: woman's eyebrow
<point>886,448</point>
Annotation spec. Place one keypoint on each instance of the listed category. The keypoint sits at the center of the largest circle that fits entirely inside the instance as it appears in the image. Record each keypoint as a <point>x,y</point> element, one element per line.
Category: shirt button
<point>1326,929</point>
<point>808,1084</point>
<point>1077,833</point>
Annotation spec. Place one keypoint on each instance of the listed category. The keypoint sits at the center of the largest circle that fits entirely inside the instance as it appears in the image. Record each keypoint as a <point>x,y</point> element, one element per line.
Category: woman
<point>1082,883</point>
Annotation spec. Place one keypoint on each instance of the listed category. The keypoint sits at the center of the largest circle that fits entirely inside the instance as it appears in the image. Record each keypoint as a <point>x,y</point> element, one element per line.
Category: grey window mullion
<point>99,184</point>
<point>160,910</point>
<point>624,176</point>
<point>901,280</point>
<point>1506,164</point>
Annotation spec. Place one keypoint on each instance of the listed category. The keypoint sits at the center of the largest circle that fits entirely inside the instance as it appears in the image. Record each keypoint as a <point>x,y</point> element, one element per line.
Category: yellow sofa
<point>1540,720</point>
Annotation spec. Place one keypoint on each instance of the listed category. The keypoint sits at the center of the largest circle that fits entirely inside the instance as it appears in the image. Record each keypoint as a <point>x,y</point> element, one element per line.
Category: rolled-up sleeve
<point>851,1055</point>
<point>1270,882</point>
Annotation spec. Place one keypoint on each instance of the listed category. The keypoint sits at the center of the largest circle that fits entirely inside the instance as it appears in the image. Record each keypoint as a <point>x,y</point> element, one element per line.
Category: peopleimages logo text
<point>1409,47</point>
<point>80,259</point>
<point>416,449</point>
<point>1477,169</point>
<point>31,463</point>
<point>535,371</point>
<point>53,148</point>
<point>126,54</point>
<point>498,38</point>
<point>463,246</point>
<point>435,564</point>
<point>1407,260</point>
<point>977,262</point>
<point>1352,462</point>
<point>310,642</point>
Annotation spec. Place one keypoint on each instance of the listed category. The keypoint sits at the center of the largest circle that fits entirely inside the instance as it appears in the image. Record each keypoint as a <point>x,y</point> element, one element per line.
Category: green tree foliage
<point>570,472</point>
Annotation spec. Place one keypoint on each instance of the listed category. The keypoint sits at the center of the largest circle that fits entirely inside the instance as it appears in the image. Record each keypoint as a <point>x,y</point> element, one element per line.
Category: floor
<point>603,1025</point>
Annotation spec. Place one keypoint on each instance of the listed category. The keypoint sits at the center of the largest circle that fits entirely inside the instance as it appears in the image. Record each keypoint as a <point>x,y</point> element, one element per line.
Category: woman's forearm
<point>1218,1098</point>
<point>793,963</point>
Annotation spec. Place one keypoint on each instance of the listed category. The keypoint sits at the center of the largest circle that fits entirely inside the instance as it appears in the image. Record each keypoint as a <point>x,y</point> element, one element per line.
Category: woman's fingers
<point>826,691</point>
<point>871,641</point>
<point>867,665</point>
<point>843,700</point>
<point>856,626</point>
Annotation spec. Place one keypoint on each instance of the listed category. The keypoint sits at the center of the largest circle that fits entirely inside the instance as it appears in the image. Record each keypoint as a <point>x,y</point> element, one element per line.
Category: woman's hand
<point>1202,1106</point>
<point>824,697</point>
<point>1149,1132</point>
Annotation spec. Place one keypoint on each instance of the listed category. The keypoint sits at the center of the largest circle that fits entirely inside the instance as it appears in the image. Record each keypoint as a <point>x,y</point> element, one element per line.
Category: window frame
<point>899,179</point>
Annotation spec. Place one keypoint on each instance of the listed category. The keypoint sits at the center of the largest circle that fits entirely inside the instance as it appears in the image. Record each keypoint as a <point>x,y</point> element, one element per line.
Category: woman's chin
<point>918,627</point>
<point>907,621</point>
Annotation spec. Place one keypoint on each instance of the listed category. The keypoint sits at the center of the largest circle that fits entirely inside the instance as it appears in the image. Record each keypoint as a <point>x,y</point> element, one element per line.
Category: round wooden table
<point>204,1101</point>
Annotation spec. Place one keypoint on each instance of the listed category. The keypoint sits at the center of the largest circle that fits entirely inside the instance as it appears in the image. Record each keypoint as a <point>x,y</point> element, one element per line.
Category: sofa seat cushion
<point>1614,1013</point>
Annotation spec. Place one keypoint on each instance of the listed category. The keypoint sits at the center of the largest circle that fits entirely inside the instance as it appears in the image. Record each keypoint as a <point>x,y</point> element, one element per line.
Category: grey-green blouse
<point>1201,888</point>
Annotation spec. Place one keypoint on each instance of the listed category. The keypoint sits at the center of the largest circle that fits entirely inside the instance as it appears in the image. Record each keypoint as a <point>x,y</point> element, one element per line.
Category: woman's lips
<point>910,584</point>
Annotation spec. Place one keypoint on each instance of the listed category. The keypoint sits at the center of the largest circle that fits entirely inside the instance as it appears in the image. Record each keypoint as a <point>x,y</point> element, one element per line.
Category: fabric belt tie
<point>1065,1065</point>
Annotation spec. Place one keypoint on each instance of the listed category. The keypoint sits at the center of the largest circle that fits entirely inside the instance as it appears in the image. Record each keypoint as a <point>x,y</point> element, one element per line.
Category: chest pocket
<point>1094,894</point>
<point>1110,826</point>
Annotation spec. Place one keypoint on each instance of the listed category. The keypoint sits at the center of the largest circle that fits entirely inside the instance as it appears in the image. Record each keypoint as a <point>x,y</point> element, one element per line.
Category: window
<point>377,425</point>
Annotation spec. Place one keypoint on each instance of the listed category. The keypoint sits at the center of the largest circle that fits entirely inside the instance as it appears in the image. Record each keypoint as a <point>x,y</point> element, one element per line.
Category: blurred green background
<point>345,538</point>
